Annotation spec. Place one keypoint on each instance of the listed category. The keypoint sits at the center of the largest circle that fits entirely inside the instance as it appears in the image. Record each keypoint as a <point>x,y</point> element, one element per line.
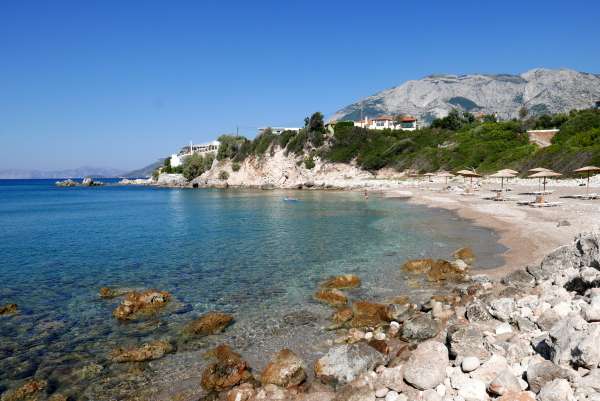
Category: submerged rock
<point>8,309</point>
<point>139,303</point>
<point>147,352</point>
<point>333,297</point>
<point>344,363</point>
<point>342,315</point>
<point>285,370</point>
<point>343,281</point>
<point>465,254</point>
<point>436,270</point>
<point>109,293</point>
<point>228,370</point>
<point>368,314</point>
<point>209,323</point>
<point>29,391</point>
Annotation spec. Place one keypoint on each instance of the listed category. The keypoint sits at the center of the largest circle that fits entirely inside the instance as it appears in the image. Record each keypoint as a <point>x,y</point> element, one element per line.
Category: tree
<point>223,175</point>
<point>523,112</point>
<point>195,165</point>
<point>316,122</point>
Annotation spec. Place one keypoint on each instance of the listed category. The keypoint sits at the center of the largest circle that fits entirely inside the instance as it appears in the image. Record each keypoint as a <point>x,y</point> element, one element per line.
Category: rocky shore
<point>534,334</point>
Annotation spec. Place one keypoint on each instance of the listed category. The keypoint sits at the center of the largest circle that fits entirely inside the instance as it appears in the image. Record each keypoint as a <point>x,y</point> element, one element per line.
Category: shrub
<point>223,175</point>
<point>194,165</point>
<point>309,162</point>
<point>235,166</point>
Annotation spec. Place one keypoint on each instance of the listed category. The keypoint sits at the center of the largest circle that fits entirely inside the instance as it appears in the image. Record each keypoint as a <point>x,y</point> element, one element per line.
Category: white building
<point>191,149</point>
<point>278,130</point>
<point>388,122</point>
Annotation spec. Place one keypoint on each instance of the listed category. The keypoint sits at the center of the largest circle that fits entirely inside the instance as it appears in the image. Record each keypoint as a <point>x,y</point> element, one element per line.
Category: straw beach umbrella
<point>429,175</point>
<point>539,170</point>
<point>588,170</point>
<point>509,171</point>
<point>545,175</point>
<point>502,175</point>
<point>446,175</point>
<point>468,173</point>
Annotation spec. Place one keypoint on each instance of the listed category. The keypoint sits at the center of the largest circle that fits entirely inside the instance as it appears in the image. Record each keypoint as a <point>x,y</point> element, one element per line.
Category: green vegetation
<point>223,175</point>
<point>455,142</point>
<point>235,166</point>
<point>195,165</point>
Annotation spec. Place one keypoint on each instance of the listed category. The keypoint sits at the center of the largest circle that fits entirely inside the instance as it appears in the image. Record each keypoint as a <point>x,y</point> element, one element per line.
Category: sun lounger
<point>584,197</point>
<point>545,204</point>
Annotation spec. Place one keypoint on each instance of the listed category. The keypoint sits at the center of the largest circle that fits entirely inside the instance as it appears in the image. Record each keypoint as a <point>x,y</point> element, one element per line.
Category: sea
<point>250,253</point>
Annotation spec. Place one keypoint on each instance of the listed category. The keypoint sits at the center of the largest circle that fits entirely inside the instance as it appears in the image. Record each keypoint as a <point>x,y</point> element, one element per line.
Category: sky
<point>122,83</point>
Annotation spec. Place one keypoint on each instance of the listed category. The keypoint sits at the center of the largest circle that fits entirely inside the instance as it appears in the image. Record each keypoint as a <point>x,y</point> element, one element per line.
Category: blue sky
<point>122,83</point>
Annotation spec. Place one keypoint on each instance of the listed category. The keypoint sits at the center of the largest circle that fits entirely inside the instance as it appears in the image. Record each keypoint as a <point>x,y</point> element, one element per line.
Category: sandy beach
<point>529,233</point>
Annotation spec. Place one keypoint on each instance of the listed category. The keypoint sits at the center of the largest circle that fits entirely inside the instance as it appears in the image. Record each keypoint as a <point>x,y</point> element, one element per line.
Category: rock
<point>564,257</point>
<point>519,279</point>
<point>477,312</point>
<point>392,396</point>
<point>368,314</point>
<point>228,370</point>
<point>28,391</point>
<point>519,396</point>
<point>343,281</point>
<point>591,312</point>
<point>435,270</point>
<point>505,382</point>
<point>430,395</point>
<point>541,372</point>
<point>465,254</point>
<point>566,335</point>
<point>66,183</point>
<point>243,392</point>
<point>459,265</point>
<point>421,327</point>
<point>350,393</point>
<point>502,309</point>
<point>426,367</point>
<point>285,370</point>
<point>209,323</point>
<point>108,293</point>
<point>146,352</point>
<point>556,390</point>
<point>399,312</point>
<point>342,315</point>
<point>171,180</point>
<point>503,328</point>
<point>58,397</point>
<point>391,378</point>
<point>343,363</point>
<point>490,368</point>
<point>139,303</point>
<point>8,309</point>
<point>587,352</point>
<point>470,363</point>
<point>381,392</point>
<point>468,341</point>
<point>89,182</point>
<point>591,380</point>
<point>472,390</point>
<point>333,297</point>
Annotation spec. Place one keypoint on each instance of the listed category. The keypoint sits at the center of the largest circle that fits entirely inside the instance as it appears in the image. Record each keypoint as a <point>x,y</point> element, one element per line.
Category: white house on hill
<point>388,122</point>
<point>191,149</point>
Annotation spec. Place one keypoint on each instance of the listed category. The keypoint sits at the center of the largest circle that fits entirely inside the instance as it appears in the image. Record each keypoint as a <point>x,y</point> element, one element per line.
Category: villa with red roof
<point>406,123</point>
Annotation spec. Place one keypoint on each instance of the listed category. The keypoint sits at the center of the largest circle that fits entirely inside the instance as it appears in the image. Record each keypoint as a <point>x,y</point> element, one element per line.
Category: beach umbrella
<point>545,175</point>
<point>538,170</point>
<point>428,175</point>
<point>588,170</point>
<point>445,174</point>
<point>468,173</point>
<point>502,175</point>
<point>509,171</point>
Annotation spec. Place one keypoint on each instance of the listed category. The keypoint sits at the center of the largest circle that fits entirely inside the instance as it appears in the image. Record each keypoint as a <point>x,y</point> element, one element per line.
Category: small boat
<point>288,199</point>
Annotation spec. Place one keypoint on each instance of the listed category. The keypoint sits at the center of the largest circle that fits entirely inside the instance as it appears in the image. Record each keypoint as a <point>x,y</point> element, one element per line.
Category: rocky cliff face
<point>540,91</point>
<point>279,170</point>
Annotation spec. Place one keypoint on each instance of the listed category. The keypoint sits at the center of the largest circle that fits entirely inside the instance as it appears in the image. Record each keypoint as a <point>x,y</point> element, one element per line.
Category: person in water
<point>366,194</point>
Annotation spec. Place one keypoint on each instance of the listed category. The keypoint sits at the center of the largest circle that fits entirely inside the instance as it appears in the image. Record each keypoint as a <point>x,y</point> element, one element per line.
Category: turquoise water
<point>244,252</point>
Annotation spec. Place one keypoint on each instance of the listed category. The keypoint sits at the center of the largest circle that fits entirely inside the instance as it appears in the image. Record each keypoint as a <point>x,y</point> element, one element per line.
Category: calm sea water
<point>244,252</point>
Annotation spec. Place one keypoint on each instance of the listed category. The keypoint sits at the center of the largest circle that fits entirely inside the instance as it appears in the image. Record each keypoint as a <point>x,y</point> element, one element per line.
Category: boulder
<point>556,390</point>
<point>343,363</point>
<point>566,335</point>
<point>435,270</point>
<point>587,352</point>
<point>243,392</point>
<point>209,323</point>
<point>285,370</point>
<point>519,279</point>
<point>468,341</point>
<point>421,327</point>
<point>477,312</point>
<point>141,303</point>
<point>351,393</point>
<point>490,368</point>
<point>28,391</point>
<point>426,367</point>
<point>399,312</point>
<point>564,257</point>
<point>66,183</point>
<point>228,370</point>
<point>109,293</point>
<point>541,372</point>
<point>342,315</point>
<point>343,281</point>
<point>465,254</point>
<point>391,378</point>
<point>8,309</point>
<point>470,363</point>
<point>504,382</point>
<point>333,297</point>
<point>472,390</point>
<point>517,396</point>
<point>502,308</point>
<point>147,352</point>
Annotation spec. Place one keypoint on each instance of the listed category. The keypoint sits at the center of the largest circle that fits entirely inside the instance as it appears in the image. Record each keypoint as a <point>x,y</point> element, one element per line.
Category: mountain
<point>541,91</point>
<point>145,171</point>
<point>95,172</point>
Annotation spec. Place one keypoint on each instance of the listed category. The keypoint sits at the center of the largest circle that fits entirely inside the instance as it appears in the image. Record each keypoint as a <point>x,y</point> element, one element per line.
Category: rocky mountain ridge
<point>540,91</point>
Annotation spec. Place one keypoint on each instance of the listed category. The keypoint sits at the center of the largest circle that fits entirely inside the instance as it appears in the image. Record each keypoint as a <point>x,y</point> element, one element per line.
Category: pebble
<point>394,325</point>
<point>380,336</point>
<point>368,335</point>
<point>470,363</point>
<point>381,392</point>
<point>394,396</point>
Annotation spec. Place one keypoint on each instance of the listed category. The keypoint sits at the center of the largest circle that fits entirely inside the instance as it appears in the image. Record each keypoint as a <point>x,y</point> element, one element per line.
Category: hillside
<point>95,172</point>
<point>540,91</point>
